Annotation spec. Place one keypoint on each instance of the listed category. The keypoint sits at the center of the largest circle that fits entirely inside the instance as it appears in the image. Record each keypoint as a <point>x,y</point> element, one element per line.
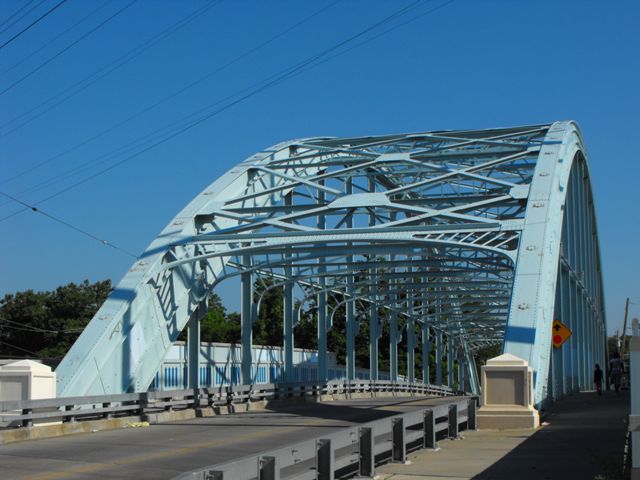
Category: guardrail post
<point>196,398</point>
<point>143,402</point>
<point>168,398</point>
<point>324,460</point>
<point>471,415</point>
<point>366,463</point>
<point>107,415</point>
<point>28,422</point>
<point>268,468</point>
<point>71,418</point>
<point>399,452</point>
<point>429,430</point>
<point>453,421</point>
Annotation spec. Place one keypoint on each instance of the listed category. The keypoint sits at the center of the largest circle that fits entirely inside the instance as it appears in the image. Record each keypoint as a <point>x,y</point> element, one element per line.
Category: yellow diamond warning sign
<point>561,333</point>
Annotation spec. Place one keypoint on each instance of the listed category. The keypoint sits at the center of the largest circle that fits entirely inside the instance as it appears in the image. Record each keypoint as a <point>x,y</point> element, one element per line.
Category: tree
<point>216,326</point>
<point>487,353</point>
<point>46,324</point>
<point>268,327</point>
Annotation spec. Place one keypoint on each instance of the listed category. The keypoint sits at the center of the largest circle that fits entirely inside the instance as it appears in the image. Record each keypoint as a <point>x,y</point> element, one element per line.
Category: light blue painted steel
<point>557,197</point>
<point>246,320</point>
<point>439,357</point>
<point>426,351</point>
<point>481,235</point>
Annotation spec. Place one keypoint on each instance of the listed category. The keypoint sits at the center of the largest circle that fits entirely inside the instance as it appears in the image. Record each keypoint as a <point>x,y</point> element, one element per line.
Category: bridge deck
<point>165,450</point>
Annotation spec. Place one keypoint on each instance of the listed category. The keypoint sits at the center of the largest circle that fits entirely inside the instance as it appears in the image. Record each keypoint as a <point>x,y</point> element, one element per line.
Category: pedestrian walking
<point>616,368</point>
<point>597,379</point>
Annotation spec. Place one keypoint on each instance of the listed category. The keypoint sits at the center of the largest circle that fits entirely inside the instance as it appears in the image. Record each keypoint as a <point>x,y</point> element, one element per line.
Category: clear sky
<point>93,76</point>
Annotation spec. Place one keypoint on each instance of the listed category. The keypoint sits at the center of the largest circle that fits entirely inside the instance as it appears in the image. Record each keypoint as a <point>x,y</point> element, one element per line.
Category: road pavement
<point>163,451</point>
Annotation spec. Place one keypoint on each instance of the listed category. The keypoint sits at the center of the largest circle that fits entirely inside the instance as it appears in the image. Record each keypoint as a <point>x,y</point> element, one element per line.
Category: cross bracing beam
<point>483,236</point>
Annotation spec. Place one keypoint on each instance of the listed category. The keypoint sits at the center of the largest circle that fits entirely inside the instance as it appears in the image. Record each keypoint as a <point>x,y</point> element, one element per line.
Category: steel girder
<point>457,231</point>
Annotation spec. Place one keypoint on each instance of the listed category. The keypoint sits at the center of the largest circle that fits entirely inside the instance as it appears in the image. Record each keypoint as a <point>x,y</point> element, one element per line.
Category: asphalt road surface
<point>165,450</point>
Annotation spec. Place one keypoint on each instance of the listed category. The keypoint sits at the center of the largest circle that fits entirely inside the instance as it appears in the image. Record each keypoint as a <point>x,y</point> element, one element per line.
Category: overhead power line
<point>273,80</point>
<point>167,98</point>
<point>84,83</point>
<point>65,49</point>
<point>384,32</point>
<point>32,24</point>
<point>18,348</point>
<point>21,16</point>
<point>190,121</point>
<point>52,40</point>
<point>22,326</point>
<point>193,120</point>
<point>68,225</point>
<point>24,5</point>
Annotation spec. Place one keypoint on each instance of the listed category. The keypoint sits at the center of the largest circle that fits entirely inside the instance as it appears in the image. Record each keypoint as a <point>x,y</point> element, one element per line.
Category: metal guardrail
<point>352,451</point>
<point>23,413</point>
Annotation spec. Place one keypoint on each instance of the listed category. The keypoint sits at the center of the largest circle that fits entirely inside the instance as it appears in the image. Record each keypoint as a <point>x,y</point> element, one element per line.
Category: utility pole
<point>624,327</point>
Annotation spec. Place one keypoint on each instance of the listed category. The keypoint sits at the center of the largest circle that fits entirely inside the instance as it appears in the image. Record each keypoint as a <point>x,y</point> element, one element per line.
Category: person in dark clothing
<point>597,379</point>
<point>616,369</point>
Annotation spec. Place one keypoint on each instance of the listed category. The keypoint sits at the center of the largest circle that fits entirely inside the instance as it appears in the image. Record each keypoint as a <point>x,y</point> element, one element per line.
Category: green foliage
<point>268,328</point>
<point>45,324</point>
<point>218,325</point>
<point>487,353</point>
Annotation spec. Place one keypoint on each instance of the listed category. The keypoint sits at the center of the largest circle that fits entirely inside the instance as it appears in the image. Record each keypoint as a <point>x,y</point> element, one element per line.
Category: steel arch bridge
<point>457,239</point>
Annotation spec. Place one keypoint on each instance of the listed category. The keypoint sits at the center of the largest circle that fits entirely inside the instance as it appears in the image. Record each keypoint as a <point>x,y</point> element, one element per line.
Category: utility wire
<point>22,326</point>
<point>19,348</point>
<point>21,16</point>
<point>54,39</point>
<point>50,11</point>
<point>167,98</point>
<point>68,47</point>
<point>385,32</point>
<point>283,75</point>
<point>259,87</point>
<point>24,5</point>
<point>102,72</point>
<point>67,224</point>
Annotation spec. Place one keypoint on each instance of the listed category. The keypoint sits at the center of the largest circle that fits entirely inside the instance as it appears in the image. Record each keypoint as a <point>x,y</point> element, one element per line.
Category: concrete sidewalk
<point>582,438</point>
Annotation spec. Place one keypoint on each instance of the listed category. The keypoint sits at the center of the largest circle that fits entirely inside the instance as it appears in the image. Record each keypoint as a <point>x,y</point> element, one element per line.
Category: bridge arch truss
<point>457,240</point>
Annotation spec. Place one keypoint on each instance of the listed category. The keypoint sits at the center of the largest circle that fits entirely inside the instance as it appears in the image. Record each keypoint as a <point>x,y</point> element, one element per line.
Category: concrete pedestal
<point>27,380</point>
<point>507,395</point>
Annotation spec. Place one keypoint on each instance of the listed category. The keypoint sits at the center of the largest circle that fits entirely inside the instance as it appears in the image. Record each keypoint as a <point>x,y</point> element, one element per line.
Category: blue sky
<point>469,64</point>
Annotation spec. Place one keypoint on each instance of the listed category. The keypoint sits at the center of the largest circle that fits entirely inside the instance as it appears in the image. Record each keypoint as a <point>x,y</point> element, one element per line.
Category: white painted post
<point>634,417</point>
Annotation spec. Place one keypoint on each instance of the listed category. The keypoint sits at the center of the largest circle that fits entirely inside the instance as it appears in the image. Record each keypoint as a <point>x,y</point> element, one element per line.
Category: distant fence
<point>351,451</point>
<point>220,365</point>
<point>23,413</point>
